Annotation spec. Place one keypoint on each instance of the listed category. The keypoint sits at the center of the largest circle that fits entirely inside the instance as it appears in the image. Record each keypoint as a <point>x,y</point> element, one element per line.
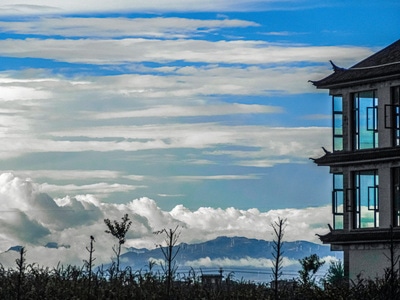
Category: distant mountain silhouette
<point>15,248</point>
<point>236,250</point>
<point>233,248</point>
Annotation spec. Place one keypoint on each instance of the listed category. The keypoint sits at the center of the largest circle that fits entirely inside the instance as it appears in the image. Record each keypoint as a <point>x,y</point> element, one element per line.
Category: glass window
<point>337,104</point>
<point>337,201</point>
<point>365,106</point>
<point>396,114</point>
<point>396,196</point>
<point>366,199</point>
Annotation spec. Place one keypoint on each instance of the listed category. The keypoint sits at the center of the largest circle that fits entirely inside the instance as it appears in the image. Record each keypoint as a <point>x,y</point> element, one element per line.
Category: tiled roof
<point>369,235</point>
<point>382,65</point>
<point>342,158</point>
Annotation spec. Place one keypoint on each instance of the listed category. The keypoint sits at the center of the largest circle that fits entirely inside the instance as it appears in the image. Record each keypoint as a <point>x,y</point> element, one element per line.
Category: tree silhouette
<point>310,265</point>
<point>118,230</point>
<point>277,244</point>
<point>335,273</point>
<point>90,263</point>
<point>169,253</point>
<point>21,270</point>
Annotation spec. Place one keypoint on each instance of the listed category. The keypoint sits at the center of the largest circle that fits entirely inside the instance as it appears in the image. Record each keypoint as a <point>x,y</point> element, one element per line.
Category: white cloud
<point>33,129</point>
<point>194,83</point>
<point>216,177</point>
<point>120,27</point>
<point>271,145</point>
<point>55,124</point>
<point>252,223</point>
<point>273,142</point>
<point>186,111</point>
<point>170,195</point>
<point>33,219</point>
<point>241,262</point>
<point>12,93</point>
<point>101,189</point>
<point>109,51</point>
<point>41,7</point>
<point>68,174</point>
<point>282,33</point>
<point>317,117</point>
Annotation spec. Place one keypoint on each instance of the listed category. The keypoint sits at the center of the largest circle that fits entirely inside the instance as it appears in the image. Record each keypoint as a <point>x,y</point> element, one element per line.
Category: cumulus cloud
<point>252,223</point>
<point>32,218</point>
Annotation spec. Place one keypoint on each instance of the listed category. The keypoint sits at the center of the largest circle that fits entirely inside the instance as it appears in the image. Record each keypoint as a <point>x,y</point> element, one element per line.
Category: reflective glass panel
<point>365,120</point>
<point>338,201</point>
<point>337,104</point>
<point>366,199</point>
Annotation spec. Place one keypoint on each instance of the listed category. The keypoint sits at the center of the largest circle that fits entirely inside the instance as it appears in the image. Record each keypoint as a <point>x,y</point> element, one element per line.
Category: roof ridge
<point>375,66</point>
<point>383,65</point>
<point>383,53</point>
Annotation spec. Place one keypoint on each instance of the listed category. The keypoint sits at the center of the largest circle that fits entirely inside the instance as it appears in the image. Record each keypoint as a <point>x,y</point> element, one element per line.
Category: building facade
<point>365,162</point>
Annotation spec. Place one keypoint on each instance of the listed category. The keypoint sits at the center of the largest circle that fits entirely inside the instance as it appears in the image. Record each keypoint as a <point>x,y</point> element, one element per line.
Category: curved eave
<point>381,66</point>
<point>360,236</point>
<point>325,84</point>
<point>343,158</point>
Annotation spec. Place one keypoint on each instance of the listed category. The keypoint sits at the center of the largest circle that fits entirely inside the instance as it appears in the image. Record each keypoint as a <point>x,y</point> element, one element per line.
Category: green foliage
<point>309,266</point>
<point>335,274</point>
<point>118,230</point>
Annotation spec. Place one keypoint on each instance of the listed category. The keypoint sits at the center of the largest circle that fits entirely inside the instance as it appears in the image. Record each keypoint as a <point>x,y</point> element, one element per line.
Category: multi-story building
<point>365,162</point>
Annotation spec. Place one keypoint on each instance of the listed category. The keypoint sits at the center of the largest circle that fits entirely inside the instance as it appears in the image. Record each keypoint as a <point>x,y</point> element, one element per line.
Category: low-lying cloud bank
<point>249,262</point>
<point>31,218</point>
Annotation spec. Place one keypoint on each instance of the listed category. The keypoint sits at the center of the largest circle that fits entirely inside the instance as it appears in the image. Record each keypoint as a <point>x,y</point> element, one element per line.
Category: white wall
<point>368,261</point>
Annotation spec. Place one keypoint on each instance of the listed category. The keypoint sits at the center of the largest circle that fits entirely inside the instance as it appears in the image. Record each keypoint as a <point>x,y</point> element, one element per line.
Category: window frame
<point>359,120</point>
<point>395,196</point>
<point>359,191</point>
<point>337,114</point>
<point>338,193</point>
<point>395,114</point>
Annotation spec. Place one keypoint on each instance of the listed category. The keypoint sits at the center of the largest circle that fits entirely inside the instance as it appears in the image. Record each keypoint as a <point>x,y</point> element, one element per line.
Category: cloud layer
<point>31,218</point>
<point>40,7</point>
<point>154,104</point>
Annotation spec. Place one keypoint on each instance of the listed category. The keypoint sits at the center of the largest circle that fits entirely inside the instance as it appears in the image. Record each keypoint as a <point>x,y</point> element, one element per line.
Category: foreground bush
<point>70,282</point>
<point>73,283</point>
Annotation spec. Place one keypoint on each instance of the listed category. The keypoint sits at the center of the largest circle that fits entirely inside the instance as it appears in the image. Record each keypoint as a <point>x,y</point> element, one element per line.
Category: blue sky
<point>178,107</point>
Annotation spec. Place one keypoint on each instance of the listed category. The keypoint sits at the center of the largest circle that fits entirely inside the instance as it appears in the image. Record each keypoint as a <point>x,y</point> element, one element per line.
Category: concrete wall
<point>368,260</point>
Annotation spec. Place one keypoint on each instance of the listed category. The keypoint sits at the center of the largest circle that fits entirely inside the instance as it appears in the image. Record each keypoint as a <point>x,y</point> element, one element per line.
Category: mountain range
<point>241,255</point>
<point>247,259</point>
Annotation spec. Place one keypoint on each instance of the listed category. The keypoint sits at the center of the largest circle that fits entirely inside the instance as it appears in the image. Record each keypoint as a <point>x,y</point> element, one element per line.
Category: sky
<point>196,113</point>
